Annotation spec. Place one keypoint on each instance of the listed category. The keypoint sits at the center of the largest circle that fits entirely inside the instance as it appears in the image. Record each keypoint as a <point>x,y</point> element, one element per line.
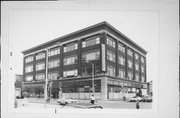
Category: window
<point>70,47</point>
<point>130,52</point>
<point>91,41</point>
<point>110,56</point>
<point>53,63</point>
<point>130,64</point>
<point>88,70</point>
<point>121,47</point>
<point>111,42</point>
<point>29,78</point>
<point>95,55</point>
<point>28,68</point>
<point>40,56</point>
<point>137,66</point>
<point>40,76</point>
<point>70,73</point>
<point>142,59</point>
<point>110,70</point>
<point>142,78</point>
<point>137,77</point>
<point>137,56</point>
<point>53,75</point>
<point>70,60</point>
<point>121,60</point>
<point>130,75</point>
<point>40,66</point>
<point>142,69</point>
<point>121,73</point>
<point>29,59</point>
<point>54,51</point>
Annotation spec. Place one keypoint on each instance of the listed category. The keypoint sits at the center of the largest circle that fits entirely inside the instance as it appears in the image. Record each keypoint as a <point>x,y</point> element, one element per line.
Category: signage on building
<point>103,57</point>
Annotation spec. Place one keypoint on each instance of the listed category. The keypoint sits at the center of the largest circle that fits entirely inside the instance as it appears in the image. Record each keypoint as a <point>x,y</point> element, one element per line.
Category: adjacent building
<point>98,55</point>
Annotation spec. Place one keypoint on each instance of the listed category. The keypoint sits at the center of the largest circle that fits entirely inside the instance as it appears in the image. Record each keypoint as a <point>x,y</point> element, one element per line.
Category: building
<point>18,85</point>
<point>149,88</point>
<point>119,65</point>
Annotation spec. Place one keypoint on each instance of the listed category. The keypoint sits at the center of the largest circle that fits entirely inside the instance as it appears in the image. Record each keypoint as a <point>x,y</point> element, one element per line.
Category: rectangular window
<point>121,60</point>
<point>53,63</point>
<point>130,75</point>
<point>142,69</point>
<point>95,55</point>
<point>121,47</point>
<point>137,66</point>
<point>29,59</point>
<point>70,60</point>
<point>130,52</point>
<point>121,73</point>
<point>110,56</point>
<point>53,75</point>
<point>137,56</point>
<point>40,66</point>
<point>28,68</point>
<point>111,42</point>
<point>29,78</point>
<point>142,59</point>
<point>137,77</point>
<point>91,41</point>
<point>40,56</point>
<point>110,70</point>
<point>40,76</point>
<point>70,47</point>
<point>70,73</point>
<point>142,78</point>
<point>54,51</point>
<point>130,64</point>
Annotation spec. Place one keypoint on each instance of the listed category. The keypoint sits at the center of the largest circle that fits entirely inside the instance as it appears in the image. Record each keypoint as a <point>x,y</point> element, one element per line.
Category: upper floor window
<point>142,59</point>
<point>142,69</point>
<point>111,56</point>
<point>137,77</point>
<point>40,66</point>
<point>29,78</point>
<point>28,68</point>
<point>110,70</point>
<point>111,42</point>
<point>70,47</point>
<point>142,78</point>
<point>91,41</point>
<point>53,63</point>
<point>29,59</point>
<point>88,56</point>
<point>40,56</point>
<point>70,60</point>
<point>121,60</point>
<point>130,52</point>
<point>137,56</point>
<point>130,75</point>
<point>121,73</point>
<point>130,64</point>
<point>54,51</point>
<point>121,47</point>
<point>53,75</point>
<point>40,76</point>
<point>70,73</point>
<point>137,66</point>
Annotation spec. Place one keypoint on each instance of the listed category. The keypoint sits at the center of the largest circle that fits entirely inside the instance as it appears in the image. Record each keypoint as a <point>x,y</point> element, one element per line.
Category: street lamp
<point>93,88</point>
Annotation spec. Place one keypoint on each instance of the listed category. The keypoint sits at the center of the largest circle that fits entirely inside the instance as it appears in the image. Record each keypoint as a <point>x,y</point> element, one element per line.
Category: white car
<point>135,98</point>
<point>64,101</point>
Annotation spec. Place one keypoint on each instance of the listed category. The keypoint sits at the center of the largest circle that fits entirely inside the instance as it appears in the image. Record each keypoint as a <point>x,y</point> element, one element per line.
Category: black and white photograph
<point>74,56</point>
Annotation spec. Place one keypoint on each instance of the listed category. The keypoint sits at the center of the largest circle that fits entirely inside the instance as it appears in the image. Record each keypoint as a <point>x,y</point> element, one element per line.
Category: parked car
<point>147,99</point>
<point>64,101</point>
<point>135,98</point>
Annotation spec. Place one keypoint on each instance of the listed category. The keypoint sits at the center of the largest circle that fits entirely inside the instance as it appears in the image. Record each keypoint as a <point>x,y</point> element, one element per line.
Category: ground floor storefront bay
<point>105,88</point>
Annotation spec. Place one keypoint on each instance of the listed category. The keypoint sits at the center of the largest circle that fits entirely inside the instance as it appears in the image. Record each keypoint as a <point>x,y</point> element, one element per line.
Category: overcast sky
<point>29,28</point>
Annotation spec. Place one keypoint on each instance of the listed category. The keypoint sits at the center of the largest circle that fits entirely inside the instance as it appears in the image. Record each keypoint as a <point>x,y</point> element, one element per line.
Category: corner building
<point>67,61</point>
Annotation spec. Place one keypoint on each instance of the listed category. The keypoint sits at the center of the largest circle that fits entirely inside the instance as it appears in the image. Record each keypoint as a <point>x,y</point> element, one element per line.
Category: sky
<point>28,28</point>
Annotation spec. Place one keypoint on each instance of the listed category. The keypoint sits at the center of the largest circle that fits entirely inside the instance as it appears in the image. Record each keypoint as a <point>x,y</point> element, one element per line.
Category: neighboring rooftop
<point>104,23</point>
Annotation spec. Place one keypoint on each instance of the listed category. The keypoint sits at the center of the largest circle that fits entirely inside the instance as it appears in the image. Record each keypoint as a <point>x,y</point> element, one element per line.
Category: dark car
<point>147,99</point>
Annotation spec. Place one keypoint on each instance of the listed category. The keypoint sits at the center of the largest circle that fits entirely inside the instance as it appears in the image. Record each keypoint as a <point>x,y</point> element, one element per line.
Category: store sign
<point>103,57</point>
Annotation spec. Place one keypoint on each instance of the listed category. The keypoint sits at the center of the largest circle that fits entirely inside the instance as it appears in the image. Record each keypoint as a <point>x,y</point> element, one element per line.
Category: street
<point>39,103</point>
